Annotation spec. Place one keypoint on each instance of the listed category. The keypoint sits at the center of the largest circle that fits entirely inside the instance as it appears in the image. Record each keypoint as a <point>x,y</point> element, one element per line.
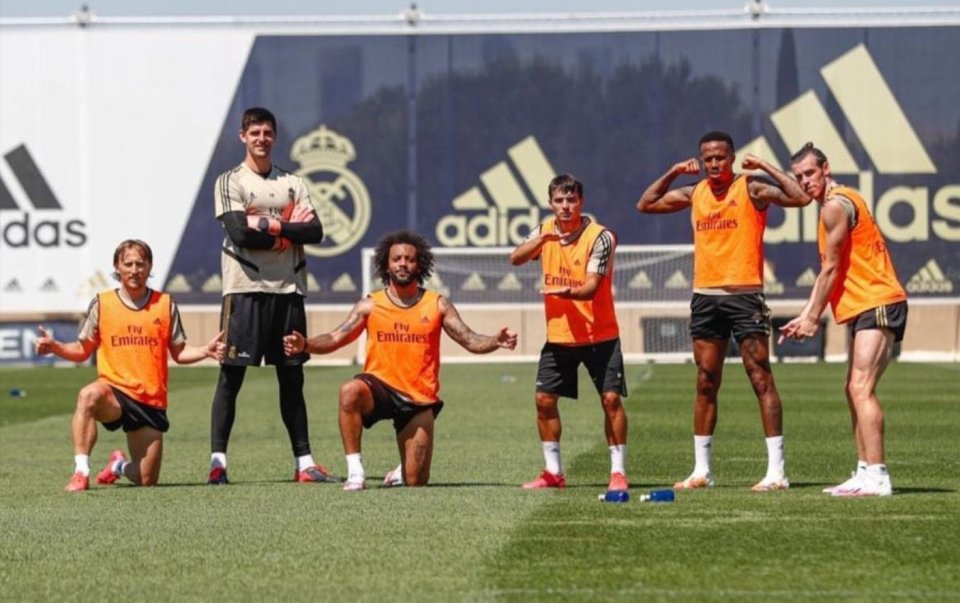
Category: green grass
<point>474,535</point>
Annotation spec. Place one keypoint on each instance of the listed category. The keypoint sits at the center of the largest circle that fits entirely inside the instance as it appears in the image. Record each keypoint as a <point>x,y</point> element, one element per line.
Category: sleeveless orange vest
<point>133,347</point>
<point>866,278</point>
<point>403,346</point>
<point>571,321</point>
<point>727,237</point>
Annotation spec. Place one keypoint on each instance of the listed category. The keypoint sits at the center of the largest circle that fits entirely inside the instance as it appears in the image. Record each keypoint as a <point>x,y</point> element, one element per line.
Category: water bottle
<point>615,496</point>
<point>659,496</point>
<point>18,393</point>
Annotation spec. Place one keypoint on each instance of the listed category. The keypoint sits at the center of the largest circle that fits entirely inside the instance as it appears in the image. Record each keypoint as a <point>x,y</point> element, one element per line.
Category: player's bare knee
<point>88,397</point>
<point>350,396</point>
<point>612,403</point>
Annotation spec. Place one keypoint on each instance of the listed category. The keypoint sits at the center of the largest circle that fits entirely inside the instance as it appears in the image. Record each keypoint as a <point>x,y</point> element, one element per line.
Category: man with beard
<point>399,381</point>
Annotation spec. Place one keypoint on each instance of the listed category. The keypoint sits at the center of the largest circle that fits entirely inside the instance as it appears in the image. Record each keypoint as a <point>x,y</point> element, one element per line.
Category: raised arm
<point>660,199</point>
<point>356,322</point>
<point>458,330</point>
<point>787,193</point>
<point>836,223</point>
<point>76,351</point>
<point>183,353</point>
<point>527,250</point>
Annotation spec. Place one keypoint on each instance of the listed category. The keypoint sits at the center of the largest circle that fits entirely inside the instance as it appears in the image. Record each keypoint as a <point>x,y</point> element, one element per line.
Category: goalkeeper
<point>268,218</point>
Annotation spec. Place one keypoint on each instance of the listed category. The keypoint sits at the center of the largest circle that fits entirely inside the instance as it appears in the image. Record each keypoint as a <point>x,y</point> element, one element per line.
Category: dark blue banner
<point>456,137</point>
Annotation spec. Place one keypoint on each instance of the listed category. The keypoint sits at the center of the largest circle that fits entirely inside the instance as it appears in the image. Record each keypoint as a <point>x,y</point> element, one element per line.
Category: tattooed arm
<point>356,322</point>
<point>473,342</point>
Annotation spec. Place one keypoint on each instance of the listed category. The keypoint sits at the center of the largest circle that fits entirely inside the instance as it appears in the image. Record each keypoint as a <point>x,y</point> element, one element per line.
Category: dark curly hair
<point>381,255</point>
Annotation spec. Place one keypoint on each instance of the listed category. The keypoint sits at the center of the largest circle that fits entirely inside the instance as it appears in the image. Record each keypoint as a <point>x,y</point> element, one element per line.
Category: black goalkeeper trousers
<point>293,407</point>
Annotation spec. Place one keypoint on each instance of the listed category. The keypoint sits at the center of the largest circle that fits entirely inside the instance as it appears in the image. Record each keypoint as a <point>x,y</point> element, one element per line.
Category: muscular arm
<point>325,343</point>
<point>659,199</point>
<point>836,223</point>
<point>526,251</point>
<point>786,193</point>
<point>183,353</point>
<point>458,330</point>
<point>76,351</point>
<point>584,292</point>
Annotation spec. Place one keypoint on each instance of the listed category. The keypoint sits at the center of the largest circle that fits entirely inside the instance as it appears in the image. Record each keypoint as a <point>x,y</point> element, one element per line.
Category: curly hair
<point>381,255</point>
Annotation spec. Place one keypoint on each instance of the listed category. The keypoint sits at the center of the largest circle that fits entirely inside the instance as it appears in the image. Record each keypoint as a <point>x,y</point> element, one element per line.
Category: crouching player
<point>400,376</point>
<point>133,327</point>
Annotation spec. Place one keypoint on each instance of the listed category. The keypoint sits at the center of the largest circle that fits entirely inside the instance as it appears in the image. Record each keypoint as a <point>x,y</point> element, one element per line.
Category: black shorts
<point>557,370</point>
<point>892,317</point>
<point>388,403</point>
<point>255,324</point>
<point>134,415</point>
<point>719,316</point>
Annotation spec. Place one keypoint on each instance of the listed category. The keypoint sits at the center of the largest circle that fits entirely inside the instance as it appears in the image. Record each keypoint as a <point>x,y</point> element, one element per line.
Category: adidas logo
<point>807,279</point>
<point>890,141</point>
<point>771,284</point>
<point>502,210</point>
<point>25,230</point>
<point>929,279</point>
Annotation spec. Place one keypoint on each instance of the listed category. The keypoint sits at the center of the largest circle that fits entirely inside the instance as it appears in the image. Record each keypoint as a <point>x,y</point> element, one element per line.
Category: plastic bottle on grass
<point>615,496</point>
<point>658,496</point>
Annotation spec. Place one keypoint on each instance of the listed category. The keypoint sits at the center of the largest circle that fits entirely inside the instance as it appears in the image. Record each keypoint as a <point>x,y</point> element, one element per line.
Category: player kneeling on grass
<point>132,327</point>
<point>400,376</point>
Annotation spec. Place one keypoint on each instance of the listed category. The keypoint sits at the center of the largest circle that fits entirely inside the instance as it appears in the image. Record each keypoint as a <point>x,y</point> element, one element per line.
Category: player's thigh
<point>557,370</point>
<point>604,362</point>
<point>100,396</point>
<point>870,352</point>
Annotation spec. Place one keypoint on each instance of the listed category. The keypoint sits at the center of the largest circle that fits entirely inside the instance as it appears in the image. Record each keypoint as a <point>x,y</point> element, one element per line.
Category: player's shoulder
<point>235,170</point>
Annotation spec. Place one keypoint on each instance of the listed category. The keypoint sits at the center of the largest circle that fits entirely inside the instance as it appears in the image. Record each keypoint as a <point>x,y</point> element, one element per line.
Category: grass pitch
<point>474,535</point>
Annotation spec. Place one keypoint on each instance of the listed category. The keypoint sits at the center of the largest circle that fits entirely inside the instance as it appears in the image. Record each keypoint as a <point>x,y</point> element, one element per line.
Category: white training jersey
<point>260,270</point>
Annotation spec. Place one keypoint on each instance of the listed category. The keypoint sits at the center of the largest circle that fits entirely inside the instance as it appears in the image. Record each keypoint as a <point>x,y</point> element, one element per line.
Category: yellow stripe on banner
<point>534,167</point>
<point>876,116</point>
<point>804,119</point>
<point>504,188</point>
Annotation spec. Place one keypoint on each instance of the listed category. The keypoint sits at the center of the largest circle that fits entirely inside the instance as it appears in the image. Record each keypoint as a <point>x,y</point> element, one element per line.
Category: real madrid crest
<point>338,195</point>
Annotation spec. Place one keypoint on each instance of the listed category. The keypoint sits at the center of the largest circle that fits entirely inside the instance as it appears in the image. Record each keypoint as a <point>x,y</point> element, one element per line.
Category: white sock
<point>118,468</point>
<point>81,464</point>
<point>551,456</point>
<point>305,462</point>
<point>355,472</point>
<point>218,459</point>
<point>702,454</point>
<point>618,454</point>
<point>876,470</point>
<point>775,461</point>
<point>861,466</point>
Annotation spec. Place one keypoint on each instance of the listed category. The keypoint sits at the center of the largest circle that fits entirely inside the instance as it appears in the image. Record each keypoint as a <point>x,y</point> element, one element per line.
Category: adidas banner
<point>456,136</point>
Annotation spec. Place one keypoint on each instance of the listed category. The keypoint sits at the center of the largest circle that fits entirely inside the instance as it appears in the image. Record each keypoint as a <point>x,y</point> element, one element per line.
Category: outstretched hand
<point>799,329</point>
<point>507,339</point>
<point>45,342</point>
<point>294,343</point>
